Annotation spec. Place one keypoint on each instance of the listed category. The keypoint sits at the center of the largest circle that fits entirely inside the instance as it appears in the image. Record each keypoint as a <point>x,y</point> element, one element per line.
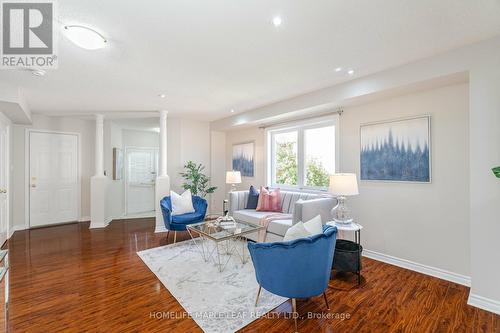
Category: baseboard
<point>84,219</point>
<point>424,269</point>
<point>484,303</point>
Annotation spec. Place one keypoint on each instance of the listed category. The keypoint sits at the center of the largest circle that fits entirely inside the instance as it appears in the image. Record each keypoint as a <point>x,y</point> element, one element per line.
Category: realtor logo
<point>28,35</point>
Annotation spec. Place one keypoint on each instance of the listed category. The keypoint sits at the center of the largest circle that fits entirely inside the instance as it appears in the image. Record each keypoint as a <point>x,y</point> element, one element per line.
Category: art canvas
<point>397,150</point>
<point>243,159</point>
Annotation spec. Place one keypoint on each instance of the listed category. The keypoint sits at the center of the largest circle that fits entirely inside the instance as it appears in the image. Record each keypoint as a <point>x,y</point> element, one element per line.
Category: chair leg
<point>258,294</point>
<point>168,234</point>
<point>175,236</point>
<point>295,314</point>
<point>326,301</point>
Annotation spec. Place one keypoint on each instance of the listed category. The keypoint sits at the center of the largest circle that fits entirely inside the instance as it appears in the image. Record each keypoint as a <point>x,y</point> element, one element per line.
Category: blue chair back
<point>199,204</point>
<point>296,269</point>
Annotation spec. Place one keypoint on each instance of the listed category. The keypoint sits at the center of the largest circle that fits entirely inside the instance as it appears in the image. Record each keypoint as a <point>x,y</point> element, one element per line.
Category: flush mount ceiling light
<point>277,21</point>
<point>350,72</point>
<point>232,110</point>
<point>85,37</point>
<point>338,69</point>
<point>162,95</point>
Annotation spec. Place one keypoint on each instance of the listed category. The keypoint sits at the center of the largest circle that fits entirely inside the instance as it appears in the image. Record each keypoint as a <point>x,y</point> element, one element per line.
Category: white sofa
<point>308,207</point>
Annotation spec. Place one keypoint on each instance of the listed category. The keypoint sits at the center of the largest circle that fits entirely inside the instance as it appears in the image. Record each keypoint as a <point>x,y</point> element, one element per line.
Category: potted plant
<point>496,171</point>
<point>196,180</point>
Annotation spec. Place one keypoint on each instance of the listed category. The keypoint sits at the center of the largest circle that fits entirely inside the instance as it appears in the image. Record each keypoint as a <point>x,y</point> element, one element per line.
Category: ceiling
<point>209,57</point>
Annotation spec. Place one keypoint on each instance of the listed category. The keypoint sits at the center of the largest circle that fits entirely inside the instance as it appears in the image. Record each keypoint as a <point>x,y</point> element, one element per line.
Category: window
<point>302,155</point>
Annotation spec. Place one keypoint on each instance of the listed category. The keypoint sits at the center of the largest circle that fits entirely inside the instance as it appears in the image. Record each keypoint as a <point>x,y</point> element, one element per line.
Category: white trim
<point>27,133</point>
<point>424,269</point>
<point>484,303</point>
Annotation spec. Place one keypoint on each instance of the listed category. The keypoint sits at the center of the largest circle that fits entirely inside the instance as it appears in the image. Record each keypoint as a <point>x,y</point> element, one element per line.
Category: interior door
<point>142,166</point>
<point>53,178</point>
<point>4,181</point>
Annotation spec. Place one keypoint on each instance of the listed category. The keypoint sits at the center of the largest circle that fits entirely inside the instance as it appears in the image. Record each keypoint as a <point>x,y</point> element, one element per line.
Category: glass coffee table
<point>215,240</point>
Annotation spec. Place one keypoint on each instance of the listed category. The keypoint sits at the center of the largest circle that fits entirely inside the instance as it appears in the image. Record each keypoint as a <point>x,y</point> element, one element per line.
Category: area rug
<point>216,301</point>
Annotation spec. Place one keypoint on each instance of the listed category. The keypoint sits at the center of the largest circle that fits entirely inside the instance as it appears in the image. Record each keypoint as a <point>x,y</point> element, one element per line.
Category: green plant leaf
<point>196,180</point>
<point>496,171</point>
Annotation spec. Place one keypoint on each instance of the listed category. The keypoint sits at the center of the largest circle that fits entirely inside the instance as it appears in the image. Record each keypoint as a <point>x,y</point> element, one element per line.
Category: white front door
<point>53,178</point>
<point>4,181</point>
<point>141,169</point>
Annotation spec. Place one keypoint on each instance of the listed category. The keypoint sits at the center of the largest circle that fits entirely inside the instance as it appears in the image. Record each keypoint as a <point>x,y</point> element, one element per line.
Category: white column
<point>99,182</point>
<point>99,145</point>
<point>162,187</point>
<point>163,143</point>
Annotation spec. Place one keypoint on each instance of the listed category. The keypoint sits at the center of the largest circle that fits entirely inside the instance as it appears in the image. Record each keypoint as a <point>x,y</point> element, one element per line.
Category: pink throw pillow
<point>269,201</point>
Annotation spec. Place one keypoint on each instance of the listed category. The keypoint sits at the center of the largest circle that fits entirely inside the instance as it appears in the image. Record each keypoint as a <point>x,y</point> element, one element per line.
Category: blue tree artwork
<point>396,151</point>
<point>243,155</point>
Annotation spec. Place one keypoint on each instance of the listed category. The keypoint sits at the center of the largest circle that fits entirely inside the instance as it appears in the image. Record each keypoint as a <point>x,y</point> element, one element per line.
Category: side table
<point>356,228</point>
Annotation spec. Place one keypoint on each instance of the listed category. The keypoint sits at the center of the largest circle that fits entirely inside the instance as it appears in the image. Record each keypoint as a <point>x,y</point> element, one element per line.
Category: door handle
<point>33,185</point>
<point>3,191</point>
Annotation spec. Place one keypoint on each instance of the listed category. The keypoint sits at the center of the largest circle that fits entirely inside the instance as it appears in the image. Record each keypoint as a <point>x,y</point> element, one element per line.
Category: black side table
<point>356,228</point>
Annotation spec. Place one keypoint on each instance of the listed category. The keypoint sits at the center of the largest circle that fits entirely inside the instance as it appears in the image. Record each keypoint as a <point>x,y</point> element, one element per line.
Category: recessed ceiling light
<point>84,37</point>
<point>338,69</point>
<point>162,95</point>
<point>38,72</point>
<point>350,72</point>
<point>232,110</point>
<point>277,21</point>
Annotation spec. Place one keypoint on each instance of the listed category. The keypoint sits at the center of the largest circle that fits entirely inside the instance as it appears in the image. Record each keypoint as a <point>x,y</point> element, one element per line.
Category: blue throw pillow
<point>253,198</point>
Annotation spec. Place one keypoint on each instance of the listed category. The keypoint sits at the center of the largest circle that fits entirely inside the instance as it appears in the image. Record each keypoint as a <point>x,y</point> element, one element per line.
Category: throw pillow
<point>314,226</point>
<point>295,232</point>
<point>181,204</point>
<point>269,201</point>
<point>253,198</point>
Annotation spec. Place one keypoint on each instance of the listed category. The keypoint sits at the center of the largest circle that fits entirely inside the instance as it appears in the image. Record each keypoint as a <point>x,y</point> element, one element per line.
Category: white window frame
<point>300,127</point>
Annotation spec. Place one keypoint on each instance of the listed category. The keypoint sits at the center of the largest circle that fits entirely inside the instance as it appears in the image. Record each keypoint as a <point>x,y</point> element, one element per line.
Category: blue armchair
<point>296,269</point>
<point>179,222</point>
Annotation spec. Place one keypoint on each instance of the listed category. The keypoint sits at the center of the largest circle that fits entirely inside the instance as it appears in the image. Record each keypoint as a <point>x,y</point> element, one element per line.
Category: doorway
<point>54,182</point>
<point>141,167</point>
<point>4,181</point>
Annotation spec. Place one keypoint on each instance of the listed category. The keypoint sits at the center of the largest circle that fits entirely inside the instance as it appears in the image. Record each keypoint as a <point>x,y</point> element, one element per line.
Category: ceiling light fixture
<point>85,37</point>
<point>277,21</point>
<point>232,110</point>
<point>338,69</point>
<point>162,95</point>
<point>350,72</point>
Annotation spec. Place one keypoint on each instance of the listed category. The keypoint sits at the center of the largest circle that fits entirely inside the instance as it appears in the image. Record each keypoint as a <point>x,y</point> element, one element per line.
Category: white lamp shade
<point>343,184</point>
<point>233,177</point>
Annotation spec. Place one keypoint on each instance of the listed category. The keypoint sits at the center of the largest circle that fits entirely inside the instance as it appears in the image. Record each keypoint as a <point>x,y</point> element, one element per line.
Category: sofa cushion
<point>250,215</point>
<point>279,227</point>
<point>269,201</point>
<point>187,218</point>
<point>253,198</point>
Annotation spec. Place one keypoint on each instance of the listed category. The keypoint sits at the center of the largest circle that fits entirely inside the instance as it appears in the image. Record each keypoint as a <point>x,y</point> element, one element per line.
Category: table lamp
<point>342,185</point>
<point>233,178</point>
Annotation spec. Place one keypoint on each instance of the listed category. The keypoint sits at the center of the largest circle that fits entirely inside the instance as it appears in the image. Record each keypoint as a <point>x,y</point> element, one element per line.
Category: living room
<point>266,166</point>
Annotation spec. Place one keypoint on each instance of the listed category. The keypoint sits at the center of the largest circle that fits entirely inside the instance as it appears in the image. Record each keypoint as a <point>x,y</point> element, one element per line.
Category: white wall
<point>113,138</point>
<point>423,223</point>
<point>141,139</point>
<point>218,167</point>
<point>63,124</point>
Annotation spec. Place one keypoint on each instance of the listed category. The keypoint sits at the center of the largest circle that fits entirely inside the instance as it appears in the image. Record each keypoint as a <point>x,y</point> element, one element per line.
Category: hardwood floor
<point>71,279</point>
